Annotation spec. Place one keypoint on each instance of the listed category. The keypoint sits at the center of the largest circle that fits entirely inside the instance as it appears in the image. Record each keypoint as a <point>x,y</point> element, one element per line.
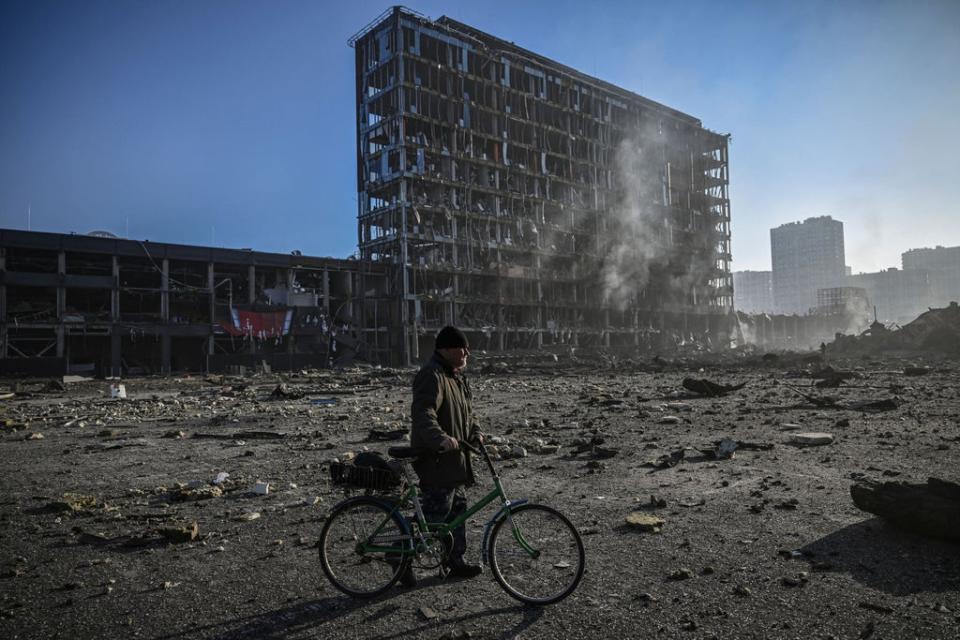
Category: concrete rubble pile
<point>935,331</point>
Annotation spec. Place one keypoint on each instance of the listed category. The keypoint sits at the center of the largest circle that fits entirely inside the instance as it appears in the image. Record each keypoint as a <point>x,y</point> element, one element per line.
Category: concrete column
<point>3,302</point>
<point>116,355</point>
<point>61,340</point>
<point>61,290</point>
<point>115,292</point>
<point>211,301</point>
<point>326,292</point>
<point>251,284</point>
<point>501,330</point>
<point>606,326</point>
<point>165,291</point>
<point>165,349</point>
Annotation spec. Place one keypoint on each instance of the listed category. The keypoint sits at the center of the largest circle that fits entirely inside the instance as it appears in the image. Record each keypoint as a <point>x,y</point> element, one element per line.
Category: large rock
<point>931,509</point>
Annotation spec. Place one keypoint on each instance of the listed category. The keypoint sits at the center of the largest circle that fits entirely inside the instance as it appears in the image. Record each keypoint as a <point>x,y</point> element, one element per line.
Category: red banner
<point>259,324</point>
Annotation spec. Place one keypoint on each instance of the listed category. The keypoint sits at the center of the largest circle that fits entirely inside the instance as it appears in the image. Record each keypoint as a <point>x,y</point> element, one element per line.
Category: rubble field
<point>191,507</point>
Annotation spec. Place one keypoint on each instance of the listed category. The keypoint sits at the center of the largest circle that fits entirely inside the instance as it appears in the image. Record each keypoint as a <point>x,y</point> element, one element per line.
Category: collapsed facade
<point>108,306</point>
<point>531,204</point>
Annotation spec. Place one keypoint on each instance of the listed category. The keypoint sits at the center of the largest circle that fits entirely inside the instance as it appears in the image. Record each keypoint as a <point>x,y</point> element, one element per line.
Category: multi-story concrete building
<point>943,266</point>
<point>530,203</point>
<point>753,291</point>
<point>805,256</point>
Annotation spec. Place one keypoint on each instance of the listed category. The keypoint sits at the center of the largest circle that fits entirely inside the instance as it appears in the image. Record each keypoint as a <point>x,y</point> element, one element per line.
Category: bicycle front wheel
<point>536,555</point>
<point>360,546</point>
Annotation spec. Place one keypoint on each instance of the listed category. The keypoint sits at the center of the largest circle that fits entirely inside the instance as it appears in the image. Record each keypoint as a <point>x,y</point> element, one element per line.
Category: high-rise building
<point>943,265</point>
<point>805,256</point>
<point>529,203</point>
<point>753,291</point>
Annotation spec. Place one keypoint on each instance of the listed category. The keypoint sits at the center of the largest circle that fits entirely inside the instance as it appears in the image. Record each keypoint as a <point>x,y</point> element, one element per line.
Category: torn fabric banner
<point>259,324</point>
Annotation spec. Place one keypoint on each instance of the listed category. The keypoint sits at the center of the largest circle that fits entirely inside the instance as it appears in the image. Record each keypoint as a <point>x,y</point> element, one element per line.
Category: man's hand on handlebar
<point>449,444</point>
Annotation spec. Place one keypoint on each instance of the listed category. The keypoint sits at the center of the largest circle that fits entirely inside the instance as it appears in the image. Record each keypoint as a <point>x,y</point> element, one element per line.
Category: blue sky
<point>233,122</point>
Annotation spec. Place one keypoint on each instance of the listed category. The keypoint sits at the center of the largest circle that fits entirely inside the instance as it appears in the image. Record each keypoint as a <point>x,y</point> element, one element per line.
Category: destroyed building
<point>109,306</point>
<point>529,203</point>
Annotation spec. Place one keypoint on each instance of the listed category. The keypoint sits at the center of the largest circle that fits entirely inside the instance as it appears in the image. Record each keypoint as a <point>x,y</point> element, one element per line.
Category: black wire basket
<point>350,476</point>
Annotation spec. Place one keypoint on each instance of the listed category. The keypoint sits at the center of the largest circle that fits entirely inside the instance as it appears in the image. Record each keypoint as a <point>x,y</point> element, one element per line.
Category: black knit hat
<point>451,338</point>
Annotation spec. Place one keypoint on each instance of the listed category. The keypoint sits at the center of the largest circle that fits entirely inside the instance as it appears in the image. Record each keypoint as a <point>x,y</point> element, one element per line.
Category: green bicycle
<point>366,544</point>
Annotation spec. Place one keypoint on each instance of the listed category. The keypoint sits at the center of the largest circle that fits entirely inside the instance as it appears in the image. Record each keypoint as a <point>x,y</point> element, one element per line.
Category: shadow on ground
<point>321,617</point>
<point>888,559</point>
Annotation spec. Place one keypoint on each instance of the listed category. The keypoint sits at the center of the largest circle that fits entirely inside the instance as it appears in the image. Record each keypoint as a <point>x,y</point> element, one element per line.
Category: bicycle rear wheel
<point>536,555</point>
<point>354,546</point>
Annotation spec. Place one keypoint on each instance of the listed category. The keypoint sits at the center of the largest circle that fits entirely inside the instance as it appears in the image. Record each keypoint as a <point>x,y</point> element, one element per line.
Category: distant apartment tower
<point>528,203</point>
<point>805,256</point>
<point>943,265</point>
<point>753,291</point>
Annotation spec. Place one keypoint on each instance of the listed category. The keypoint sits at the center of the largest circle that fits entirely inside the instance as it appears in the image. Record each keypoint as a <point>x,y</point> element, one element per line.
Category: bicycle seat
<point>403,452</point>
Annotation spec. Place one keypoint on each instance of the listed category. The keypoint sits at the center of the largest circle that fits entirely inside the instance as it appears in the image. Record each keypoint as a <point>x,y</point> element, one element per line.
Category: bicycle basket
<point>350,475</point>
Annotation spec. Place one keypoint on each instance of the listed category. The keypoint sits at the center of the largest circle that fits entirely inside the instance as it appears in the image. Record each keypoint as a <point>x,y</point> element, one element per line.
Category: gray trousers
<point>444,504</point>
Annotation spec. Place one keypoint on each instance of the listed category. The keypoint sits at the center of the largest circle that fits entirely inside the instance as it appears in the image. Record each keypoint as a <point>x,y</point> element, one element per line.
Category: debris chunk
<point>709,388</point>
<point>177,535</point>
<point>812,438</point>
<point>645,522</point>
<point>931,509</point>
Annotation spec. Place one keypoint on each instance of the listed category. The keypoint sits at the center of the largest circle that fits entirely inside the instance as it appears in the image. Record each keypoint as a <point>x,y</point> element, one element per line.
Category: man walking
<point>441,419</point>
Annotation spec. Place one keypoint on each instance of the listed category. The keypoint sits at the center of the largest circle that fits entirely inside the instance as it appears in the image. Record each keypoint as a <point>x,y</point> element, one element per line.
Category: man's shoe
<point>408,578</point>
<point>464,570</point>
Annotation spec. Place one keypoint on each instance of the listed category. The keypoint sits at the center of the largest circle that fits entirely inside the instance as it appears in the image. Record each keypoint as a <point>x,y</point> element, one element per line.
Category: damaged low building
<point>109,306</point>
<point>529,203</point>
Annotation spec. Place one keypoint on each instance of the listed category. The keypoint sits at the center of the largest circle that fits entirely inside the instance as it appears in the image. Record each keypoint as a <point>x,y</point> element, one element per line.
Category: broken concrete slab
<point>931,509</point>
<point>645,522</point>
<point>812,438</point>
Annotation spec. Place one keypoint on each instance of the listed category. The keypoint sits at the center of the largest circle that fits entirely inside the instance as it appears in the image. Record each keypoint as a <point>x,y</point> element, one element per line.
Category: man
<point>441,420</point>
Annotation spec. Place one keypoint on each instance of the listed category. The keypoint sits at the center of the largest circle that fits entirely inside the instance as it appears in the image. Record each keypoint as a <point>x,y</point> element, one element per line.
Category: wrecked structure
<point>109,306</point>
<point>532,205</point>
<point>529,203</point>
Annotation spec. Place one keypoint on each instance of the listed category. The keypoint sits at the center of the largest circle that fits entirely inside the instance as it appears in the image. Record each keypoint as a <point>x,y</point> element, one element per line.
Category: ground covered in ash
<point>115,523</point>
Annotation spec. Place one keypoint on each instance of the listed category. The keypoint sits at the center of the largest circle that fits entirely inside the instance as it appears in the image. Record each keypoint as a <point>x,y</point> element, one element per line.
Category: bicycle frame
<point>411,545</point>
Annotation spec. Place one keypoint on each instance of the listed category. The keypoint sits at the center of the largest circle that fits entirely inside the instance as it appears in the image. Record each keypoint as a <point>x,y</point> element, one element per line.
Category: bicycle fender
<point>504,510</point>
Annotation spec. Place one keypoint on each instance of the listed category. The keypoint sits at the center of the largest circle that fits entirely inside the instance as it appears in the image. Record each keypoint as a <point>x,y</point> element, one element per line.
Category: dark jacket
<point>441,406</point>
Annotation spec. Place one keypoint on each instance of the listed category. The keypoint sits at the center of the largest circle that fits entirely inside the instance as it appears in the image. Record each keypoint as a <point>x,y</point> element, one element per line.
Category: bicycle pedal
<point>443,571</point>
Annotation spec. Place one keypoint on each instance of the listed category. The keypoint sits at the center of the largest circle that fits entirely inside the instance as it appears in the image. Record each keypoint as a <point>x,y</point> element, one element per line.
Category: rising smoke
<point>650,249</point>
<point>636,238</point>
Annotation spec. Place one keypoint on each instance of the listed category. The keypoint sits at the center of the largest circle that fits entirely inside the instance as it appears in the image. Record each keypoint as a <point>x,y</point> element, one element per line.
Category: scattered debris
<point>177,535</point>
<point>428,613</point>
<point>726,449</point>
<point>284,392</point>
<point>645,522</point>
<point>709,388</point>
<point>680,574</point>
<point>811,438</point>
<point>74,502</point>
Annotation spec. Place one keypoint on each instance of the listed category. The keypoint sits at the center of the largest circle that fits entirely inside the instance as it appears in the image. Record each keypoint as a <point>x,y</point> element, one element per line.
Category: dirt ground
<point>97,515</point>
